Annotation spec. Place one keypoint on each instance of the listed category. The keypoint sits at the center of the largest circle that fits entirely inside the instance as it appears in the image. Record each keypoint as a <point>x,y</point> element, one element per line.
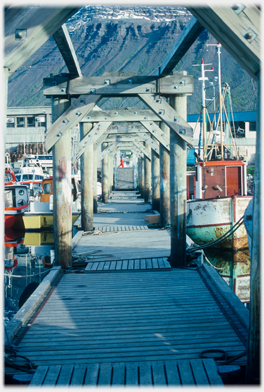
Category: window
<point>41,121</point>
<point>46,189</point>
<point>41,124</point>
<point>25,177</point>
<point>10,122</point>
<point>30,121</point>
<point>36,177</point>
<point>20,122</point>
<point>18,176</point>
<point>252,126</point>
<point>239,129</point>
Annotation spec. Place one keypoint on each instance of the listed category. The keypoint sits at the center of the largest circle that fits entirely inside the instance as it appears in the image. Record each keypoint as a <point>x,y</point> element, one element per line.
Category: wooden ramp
<point>147,319</point>
<point>125,178</point>
<point>197,372</point>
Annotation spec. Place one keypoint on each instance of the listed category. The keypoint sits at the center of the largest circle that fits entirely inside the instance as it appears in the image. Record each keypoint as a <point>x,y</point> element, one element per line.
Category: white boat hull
<point>209,219</point>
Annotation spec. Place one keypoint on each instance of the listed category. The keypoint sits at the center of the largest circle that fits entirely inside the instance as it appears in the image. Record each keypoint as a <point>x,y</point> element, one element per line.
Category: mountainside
<point>129,39</point>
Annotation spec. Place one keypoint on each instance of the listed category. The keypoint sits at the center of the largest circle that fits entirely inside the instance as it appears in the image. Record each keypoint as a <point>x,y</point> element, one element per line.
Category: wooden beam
<point>122,129</point>
<point>143,149</point>
<point>69,119</point>
<point>64,43</point>
<point>150,141</point>
<point>128,85</point>
<point>155,130</point>
<point>96,132</point>
<point>131,137</point>
<point>191,31</point>
<point>28,28</point>
<point>130,146</point>
<point>237,28</point>
<point>121,115</point>
<point>110,148</point>
<point>169,116</point>
<point>99,141</point>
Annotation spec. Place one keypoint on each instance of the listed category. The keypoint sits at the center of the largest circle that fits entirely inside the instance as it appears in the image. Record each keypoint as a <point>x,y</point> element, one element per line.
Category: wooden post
<point>142,178</point>
<point>155,180</point>
<point>62,195</point>
<point>164,180</point>
<point>178,168</point>
<point>139,175</point>
<point>147,185</point>
<point>253,358</point>
<point>111,172</point>
<point>2,149</point>
<point>95,153</point>
<point>86,181</point>
<point>105,174</point>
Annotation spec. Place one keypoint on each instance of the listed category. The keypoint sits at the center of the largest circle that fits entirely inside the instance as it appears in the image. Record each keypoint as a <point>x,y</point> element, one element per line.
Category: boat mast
<point>203,79</point>
<point>220,98</point>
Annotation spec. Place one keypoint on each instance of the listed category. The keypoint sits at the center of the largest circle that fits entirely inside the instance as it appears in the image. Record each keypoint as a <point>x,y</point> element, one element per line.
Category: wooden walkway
<point>125,178</point>
<point>135,319</point>
<point>131,320</point>
<point>197,372</point>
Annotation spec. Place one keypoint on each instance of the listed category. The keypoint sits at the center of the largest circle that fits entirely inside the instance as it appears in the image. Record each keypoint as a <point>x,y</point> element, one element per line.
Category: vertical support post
<point>178,169</point>
<point>142,179</point>
<point>95,158</point>
<point>114,171</point>
<point>164,180</point>
<point>111,172</point>
<point>139,175</point>
<point>135,163</point>
<point>62,195</point>
<point>105,179</point>
<point>87,181</point>
<point>253,359</point>
<point>147,185</point>
<point>155,180</point>
<point>2,149</point>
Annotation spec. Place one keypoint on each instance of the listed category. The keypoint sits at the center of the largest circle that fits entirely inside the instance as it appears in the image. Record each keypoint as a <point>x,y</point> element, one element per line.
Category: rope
<point>11,352</point>
<point>27,276</point>
<point>99,232</point>
<point>221,355</point>
<point>220,239</point>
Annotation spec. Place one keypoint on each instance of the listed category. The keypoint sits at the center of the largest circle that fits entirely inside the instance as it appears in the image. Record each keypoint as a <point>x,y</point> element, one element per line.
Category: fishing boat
<point>30,172</point>
<point>16,202</point>
<point>215,215</point>
<point>40,211</point>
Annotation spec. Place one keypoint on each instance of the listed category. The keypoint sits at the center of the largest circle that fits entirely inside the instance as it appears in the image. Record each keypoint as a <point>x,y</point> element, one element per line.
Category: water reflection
<point>28,257</point>
<point>234,269</point>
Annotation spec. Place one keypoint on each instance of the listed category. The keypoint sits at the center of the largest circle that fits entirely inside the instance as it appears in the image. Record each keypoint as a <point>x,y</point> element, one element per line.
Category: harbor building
<point>26,128</point>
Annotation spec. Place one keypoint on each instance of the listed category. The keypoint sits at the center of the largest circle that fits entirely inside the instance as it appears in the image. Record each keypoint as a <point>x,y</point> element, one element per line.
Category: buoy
<point>46,261</point>
<point>13,266</point>
<point>8,174</point>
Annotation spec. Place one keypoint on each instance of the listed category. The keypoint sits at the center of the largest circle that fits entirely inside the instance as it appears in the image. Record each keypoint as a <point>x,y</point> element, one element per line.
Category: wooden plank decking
<point>129,316</point>
<point>197,372</point>
<point>131,319</point>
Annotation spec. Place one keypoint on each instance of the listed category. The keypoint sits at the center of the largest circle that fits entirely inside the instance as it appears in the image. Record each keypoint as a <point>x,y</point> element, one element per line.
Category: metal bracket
<point>238,8</point>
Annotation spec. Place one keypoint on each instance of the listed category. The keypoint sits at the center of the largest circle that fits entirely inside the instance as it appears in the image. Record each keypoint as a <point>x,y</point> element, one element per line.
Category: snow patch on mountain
<point>148,13</point>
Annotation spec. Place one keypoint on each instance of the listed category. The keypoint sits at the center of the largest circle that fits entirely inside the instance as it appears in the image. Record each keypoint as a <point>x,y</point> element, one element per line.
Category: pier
<point>124,305</point>
<point>127,317</point>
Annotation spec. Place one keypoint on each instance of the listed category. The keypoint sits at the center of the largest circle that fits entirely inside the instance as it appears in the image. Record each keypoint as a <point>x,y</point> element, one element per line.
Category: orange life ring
<point>13,177</point>
<point>46,261</point>
<point>14,266</point>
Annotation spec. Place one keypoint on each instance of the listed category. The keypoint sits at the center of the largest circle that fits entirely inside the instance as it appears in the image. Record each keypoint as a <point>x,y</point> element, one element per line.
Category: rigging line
<point>223,237</point>
<point>26,276</point>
